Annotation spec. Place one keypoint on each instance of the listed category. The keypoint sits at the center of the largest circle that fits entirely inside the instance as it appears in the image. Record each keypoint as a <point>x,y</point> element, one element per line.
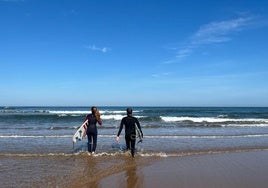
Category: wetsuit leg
<point>89,144</point>
<point>133,141</point>
<point>94,141</point>
<point>128,139</point>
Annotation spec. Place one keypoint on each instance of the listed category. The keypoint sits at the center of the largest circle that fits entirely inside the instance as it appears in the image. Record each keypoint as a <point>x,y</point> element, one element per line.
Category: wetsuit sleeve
<point>100,122</point>
<point>120,128</point>
<point>139,127</point>
<point>87,118</point>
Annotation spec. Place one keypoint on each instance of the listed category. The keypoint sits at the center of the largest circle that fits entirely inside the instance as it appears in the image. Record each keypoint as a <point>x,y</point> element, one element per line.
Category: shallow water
<point>49,130</point>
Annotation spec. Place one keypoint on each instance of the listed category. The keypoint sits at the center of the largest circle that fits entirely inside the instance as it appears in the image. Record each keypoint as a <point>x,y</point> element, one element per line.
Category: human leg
<point>133,142</point>
<point>127,138</point>
<point>89,144</point>
<point>94,142</point>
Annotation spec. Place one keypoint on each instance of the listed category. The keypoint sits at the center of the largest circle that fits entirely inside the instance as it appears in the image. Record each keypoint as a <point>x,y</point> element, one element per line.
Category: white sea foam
<point>112,117</point>
<point>35,136</point>
<point>102,112</point>
<point>68,112</point>
<point>105,115</point>
<point>139,154</point>
<point>160,154</point>
<point>222,116</point>
<point>82,112</point>
<point>35,154</point>
<point>113,112</point>
<point>146,137</point>
<point>246,125</point>
<point>116,117</point>
<point>210,119</point>
<point>204,136</point>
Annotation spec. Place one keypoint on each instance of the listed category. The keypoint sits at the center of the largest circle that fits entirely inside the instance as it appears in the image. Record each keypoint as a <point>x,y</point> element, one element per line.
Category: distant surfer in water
<point>130,123</point>
<point>92,130</point>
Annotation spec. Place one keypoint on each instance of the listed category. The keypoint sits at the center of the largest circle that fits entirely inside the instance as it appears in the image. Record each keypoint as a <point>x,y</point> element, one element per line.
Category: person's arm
<point>87,118</point>
<point>99,121</point>
<point>119,131</point>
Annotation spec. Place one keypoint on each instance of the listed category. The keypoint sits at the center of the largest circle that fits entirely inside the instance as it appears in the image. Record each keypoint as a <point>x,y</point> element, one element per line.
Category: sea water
<point>36,148</point>
<point>29,131</point>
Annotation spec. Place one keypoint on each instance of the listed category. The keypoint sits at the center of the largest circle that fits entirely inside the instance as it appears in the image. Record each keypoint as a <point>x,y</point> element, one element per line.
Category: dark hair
<point>129,110</point>
<point>93,108</point>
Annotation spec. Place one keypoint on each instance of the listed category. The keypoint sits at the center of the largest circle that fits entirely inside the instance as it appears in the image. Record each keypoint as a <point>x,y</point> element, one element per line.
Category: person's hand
<point>117,139</point>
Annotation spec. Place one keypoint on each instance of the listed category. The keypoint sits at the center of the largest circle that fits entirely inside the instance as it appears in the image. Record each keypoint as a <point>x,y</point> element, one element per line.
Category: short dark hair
<point>129,110</point>
<point>92,108</point>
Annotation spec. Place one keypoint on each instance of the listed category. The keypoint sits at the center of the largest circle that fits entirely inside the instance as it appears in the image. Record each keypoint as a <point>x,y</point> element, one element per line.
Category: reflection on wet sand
<point>130,174</point>
<point>82,171</point>
<point>91,171</point>
<point>134,178</point>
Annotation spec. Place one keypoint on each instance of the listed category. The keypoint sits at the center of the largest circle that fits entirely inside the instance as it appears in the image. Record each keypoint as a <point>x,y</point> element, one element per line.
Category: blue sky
<point>134,53</point>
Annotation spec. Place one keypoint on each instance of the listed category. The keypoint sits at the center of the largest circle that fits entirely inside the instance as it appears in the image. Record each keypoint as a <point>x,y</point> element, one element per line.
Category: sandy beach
<point>229,169</point>
<point>232,170</point>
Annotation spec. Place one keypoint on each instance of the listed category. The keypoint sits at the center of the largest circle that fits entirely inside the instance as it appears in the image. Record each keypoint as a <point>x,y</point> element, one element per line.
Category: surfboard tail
<point>74,139</point>
<point>139,134</point>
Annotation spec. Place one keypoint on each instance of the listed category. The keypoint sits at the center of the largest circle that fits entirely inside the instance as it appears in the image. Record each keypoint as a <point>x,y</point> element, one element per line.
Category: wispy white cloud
<point>95,48</point>
<point>217,32</point>
<point>184,52</point>
<point>161,74</point>
<point>211,33</point>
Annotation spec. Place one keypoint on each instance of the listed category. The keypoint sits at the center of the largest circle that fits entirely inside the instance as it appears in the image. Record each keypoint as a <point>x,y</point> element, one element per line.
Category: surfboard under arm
<point>80,133</point>
<point>139,134</point>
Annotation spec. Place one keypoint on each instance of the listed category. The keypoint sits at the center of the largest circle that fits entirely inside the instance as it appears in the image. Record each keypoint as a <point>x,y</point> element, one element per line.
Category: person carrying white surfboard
<point>92,131</point>
<point>131,123</point>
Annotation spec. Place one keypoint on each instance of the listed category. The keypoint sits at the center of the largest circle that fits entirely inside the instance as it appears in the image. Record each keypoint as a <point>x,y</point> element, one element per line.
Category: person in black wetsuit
<point>92,131</point>
<point>130,123</point>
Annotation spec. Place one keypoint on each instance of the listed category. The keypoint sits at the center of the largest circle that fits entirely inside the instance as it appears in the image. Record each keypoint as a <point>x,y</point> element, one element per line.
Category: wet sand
<point>232,170</point>
<point>229,169</point>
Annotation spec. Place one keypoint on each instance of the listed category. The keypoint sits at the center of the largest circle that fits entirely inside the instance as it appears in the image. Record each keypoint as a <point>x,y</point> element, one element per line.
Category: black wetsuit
<point>92,132</point>
<point>130,131</point>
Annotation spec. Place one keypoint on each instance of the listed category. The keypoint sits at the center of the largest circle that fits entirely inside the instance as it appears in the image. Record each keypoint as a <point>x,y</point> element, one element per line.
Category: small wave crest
<point>112,117</point>
<point>212,120</point>
<point>67,112</point>
<point>35,136</point>
<point>138,154</point>
<point>107,114</point>
<point>36,154</point>
<point>204,136</point>
<point>145,137</point>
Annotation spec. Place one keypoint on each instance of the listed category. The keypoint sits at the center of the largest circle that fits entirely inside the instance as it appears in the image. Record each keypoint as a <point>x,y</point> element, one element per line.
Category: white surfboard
<point>139,134</point>
<point>81,132</point>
